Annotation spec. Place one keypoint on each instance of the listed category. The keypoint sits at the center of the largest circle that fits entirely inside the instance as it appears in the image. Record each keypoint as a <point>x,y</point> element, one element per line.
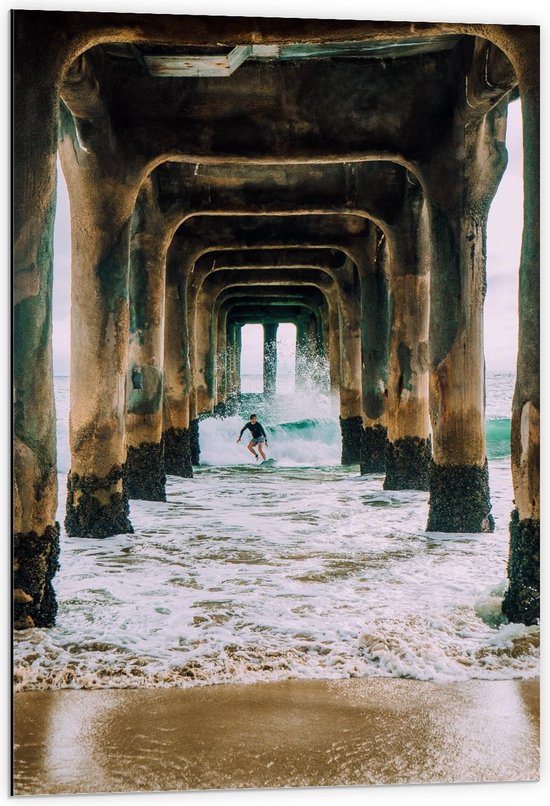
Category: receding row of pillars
<point>410,370</point>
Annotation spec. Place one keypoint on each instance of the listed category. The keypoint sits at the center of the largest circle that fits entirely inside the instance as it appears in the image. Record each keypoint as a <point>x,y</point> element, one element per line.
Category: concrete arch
<point>106,212</point>
<point>281,287</point>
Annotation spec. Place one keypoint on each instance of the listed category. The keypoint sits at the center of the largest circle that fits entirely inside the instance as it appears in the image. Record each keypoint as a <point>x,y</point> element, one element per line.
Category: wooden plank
<point>186,66</point>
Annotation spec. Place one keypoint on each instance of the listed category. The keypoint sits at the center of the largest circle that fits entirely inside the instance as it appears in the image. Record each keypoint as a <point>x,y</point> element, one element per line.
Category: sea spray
<point>305,442</point>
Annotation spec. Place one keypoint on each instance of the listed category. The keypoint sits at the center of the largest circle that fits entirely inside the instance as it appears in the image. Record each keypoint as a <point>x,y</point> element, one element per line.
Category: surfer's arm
<point>243,429</point>
<point>263,433</point>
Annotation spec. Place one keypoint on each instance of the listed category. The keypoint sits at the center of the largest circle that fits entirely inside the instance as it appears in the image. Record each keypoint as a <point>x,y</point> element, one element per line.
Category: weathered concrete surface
<point>144,383</point>
<point>146,477</point>
<point>408,462</point>
<point>237,118</point>
<point>234,360</point>
<point>349,324</point>
<point>352,430</point>
<point>221,285</point>
<point>35,532</point>
<point>459,205</point>
<point>202,234</point>
<point>373,449</point>
<point>98,506</point>
<point>110,112</point>
<point>408,452</point>
<point>194,441</point>
<point>270,358</point>
<point>460,499</point>
<point>35,563</point>
<point>177,452</point>
<point>102,183</point>
<point>522,598</point>
<point>371,189</point>
<point>177,374</point>
<point>204,314</point>
<point>375,323</point>
<point>308,360</point>
<point>197,238</point>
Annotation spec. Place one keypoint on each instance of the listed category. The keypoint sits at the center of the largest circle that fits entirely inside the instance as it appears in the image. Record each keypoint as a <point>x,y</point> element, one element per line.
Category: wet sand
<point>291,733</point>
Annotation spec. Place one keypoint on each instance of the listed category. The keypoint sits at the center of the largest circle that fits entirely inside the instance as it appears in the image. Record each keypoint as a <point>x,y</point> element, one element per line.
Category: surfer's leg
<point>260,448</point>
<point>250,447</point>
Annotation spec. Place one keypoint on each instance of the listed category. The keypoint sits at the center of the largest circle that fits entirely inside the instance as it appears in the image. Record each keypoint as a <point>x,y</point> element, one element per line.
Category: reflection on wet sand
<point>291,733</point>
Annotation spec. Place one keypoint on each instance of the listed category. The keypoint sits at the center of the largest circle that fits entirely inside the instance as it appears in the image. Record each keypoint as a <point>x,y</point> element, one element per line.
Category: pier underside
<point>334,175</point>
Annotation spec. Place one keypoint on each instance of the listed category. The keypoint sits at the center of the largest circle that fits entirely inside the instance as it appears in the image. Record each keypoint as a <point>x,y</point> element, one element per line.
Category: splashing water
<point>304,570</point>
<point>305,443</point>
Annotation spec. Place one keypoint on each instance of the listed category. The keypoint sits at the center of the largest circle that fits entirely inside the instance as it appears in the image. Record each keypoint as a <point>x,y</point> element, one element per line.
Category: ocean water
<point>301,570</point>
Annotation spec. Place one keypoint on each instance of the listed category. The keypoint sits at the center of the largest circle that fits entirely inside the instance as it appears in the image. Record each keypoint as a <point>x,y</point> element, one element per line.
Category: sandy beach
<point>291,733</point>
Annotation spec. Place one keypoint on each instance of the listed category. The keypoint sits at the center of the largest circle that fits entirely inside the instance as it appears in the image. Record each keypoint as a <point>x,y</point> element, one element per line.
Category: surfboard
<point>268,463</point>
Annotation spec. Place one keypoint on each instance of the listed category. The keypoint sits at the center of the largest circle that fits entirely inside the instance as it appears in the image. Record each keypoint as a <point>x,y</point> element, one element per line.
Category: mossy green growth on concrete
<point>31,355</point>
<point>67,127</point>
<point>445,287</point>
<point>522,599</point>
<point>460,499</point>
<point>36,561</point>
<point>138,293</point>
<point>86,516</point>
<point>112,270</point>
<point>145,476</point>
<point>375,325</point>
<point>145,395</point>
<point>408,464</point>
<point>404,354</point>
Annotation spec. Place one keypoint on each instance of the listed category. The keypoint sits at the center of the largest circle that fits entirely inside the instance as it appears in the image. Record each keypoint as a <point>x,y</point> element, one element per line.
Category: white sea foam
<point>267,575</point>
<point>292,572</point>
<point>304,443</point>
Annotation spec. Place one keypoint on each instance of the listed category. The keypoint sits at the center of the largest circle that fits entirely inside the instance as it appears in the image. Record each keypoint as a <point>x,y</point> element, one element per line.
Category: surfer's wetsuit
<point>257,431</point>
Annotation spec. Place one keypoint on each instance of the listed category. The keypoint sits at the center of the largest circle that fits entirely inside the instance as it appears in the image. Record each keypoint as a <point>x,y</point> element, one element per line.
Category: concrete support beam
<point>408,449</point>
<point>145,472</point>
<point>374,356</point>
<point>349,312</point>
<point>203,314</point>
<point>522,599</point>
<point>235,342</point>
<point>312,361</point>
<point>200,235</point>
<point>399,94</point>
<point>459,204</point>
<point>285,302</point>
<point>35,531</point>
<point>102,188</point>
<point>270,358</point>
<point>177,428</point>
<point>371,189</point>
<point>110,119</point>
<point>210,315</point>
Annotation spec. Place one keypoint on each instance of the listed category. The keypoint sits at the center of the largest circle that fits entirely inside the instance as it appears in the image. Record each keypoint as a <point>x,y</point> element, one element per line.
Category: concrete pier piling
<point>201,205</point>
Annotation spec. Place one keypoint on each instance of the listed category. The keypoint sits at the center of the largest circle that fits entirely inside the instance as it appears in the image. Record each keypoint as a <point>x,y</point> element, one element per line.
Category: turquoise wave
<point>319,430</point>
<point>497,436</point>
<point>497,433</point>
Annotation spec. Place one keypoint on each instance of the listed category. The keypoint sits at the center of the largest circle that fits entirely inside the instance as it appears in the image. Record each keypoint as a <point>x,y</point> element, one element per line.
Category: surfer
<point>259,437</point>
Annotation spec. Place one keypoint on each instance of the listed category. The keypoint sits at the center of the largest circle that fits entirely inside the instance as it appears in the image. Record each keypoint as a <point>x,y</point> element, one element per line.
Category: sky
<point>503,255</point>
